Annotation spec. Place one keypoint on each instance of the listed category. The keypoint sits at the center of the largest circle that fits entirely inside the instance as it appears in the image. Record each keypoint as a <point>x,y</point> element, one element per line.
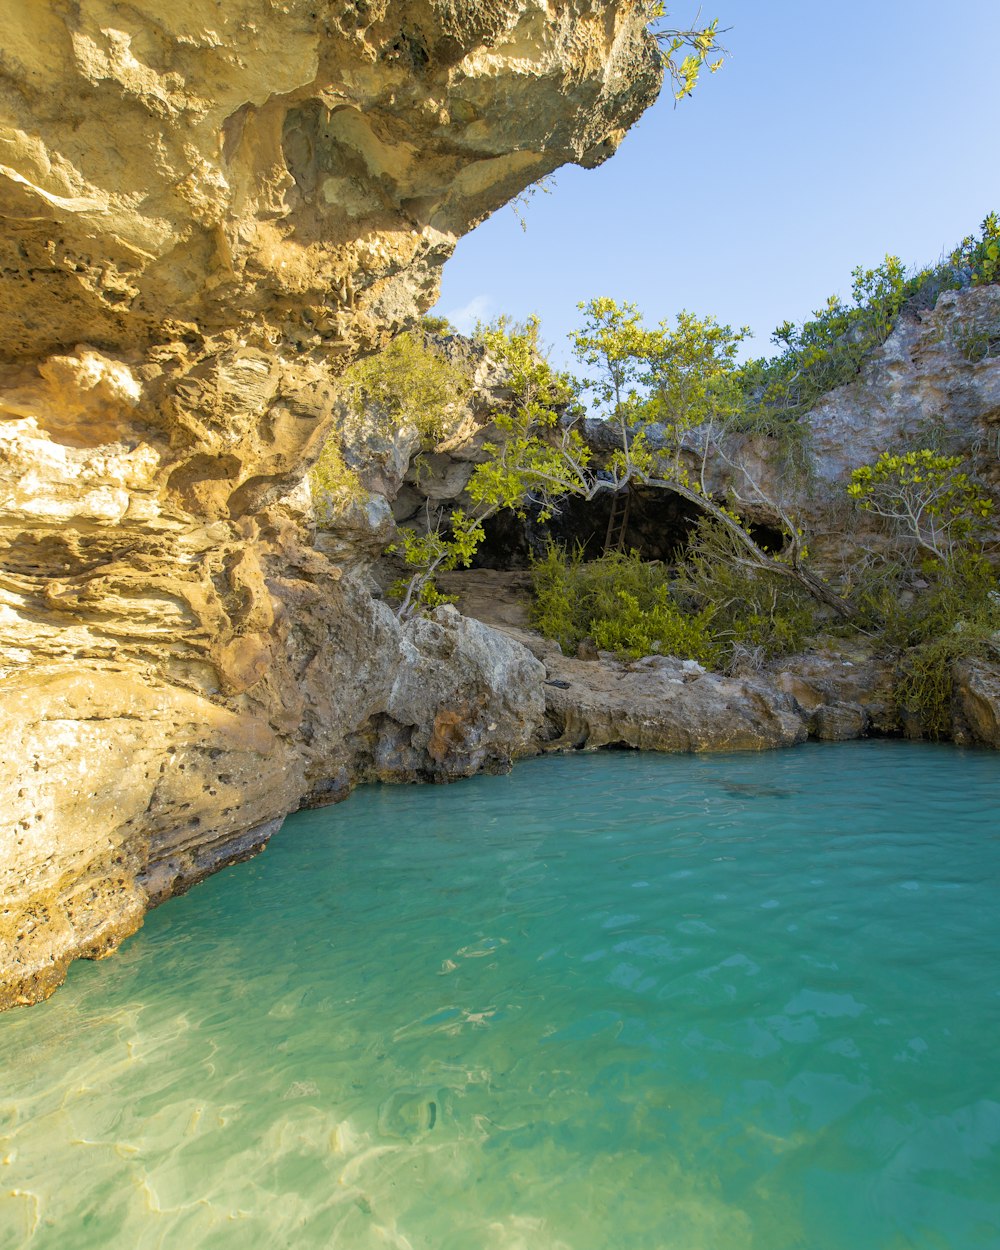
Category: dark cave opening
<point>659,526</point>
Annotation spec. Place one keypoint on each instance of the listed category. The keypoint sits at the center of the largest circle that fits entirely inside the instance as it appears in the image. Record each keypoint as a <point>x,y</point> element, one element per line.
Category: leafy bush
<point>926,496</point>
<point>979,258</point>
<point>932,616</point>
<point>624,604</point>
<point>531,463</point>
<point>632,631</point>
<point>957,617</point>
<point>829,350</point>
<point>333,483</point>
<point>951,611</point>
<point>409,382</point>
<point>749,610</point>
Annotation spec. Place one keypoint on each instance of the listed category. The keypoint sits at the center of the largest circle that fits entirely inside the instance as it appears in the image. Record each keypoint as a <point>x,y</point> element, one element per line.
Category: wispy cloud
<point>464,319</point>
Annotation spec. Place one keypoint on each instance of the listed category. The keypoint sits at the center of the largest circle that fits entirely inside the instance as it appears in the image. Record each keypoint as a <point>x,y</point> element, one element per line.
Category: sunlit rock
<point>210,210</point>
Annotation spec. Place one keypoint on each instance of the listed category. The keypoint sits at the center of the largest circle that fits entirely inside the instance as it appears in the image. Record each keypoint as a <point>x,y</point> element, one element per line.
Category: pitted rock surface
<point>210,210</point>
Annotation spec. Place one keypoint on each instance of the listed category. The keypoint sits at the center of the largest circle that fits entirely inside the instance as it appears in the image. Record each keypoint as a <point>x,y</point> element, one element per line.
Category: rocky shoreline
<point>836,692</point>
<point>185,659</point>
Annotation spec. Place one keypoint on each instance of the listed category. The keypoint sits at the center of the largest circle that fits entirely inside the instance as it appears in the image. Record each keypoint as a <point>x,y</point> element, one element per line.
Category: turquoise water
<point>621,1001</point>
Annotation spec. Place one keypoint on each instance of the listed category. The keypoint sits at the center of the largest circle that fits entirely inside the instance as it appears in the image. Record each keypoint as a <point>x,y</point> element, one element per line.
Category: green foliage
<point>537,459</point>
<point>674,377</point>
<point>614,342</point>
<point>555,607</point>
<point>432,324</point>
<point>691,372</point>
<point>699,44</point>
<point>926,496</point>
<point>334,485</point>
<point>955,616</point>
<point>677,375</point>
<point>829,350</point>
<point>409,382</point>
<point>624,604</point>
<point>947,608</point>
<point>433,552</point>
<point>980,256</point>
<point>718,608</point>
<point>632,631</point>
<point>748,608</point>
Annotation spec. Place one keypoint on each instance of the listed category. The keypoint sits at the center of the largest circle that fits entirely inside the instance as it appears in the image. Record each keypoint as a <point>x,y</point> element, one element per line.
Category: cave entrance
<point>657,524</point>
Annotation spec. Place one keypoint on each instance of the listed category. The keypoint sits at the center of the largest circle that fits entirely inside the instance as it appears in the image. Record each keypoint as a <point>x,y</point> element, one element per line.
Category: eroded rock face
<point>934,382</point>
<point>845,693</point>
<point>209,211</point>
<point>658,703</point>
<point>465,699</point>
<point>976,703</point>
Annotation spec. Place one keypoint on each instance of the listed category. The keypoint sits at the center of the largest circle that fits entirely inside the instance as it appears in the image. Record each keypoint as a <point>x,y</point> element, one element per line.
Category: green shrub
<point>953,614</point>
<point>829,349</point>
<point>409,382</point>
<point>555,608</point>
<point>624,604</point>
<point>951,611</point>
<point>333,483</point>
<point>632,631</point>
<point>748,608</point>
<point>926,496</point>
<point>979,257</point>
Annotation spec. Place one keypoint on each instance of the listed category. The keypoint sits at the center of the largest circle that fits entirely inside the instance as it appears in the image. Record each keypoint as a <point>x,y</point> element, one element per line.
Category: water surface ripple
<point>625,1001</point>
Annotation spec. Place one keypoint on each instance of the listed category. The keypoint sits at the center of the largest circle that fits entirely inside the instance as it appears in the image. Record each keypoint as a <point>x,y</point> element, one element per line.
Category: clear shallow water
<point>624,1001</point>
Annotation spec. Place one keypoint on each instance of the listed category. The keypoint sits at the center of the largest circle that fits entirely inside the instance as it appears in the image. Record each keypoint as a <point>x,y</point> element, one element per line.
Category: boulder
<point>660,704</point>
<point>976,703</point>
<point>846,692</point>
<point>465,699</point>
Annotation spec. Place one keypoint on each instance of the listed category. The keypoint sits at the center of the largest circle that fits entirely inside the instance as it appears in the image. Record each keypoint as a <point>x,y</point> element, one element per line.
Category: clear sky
<point>837,131</point>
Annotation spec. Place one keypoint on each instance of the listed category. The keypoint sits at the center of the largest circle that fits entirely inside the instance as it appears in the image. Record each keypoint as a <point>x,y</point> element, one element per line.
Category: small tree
<point>433,552</point>
<point>930,501</point>
<point>699,44</point>
<point>527,466</point>
<point>926,496</point>
<point>673,378</point>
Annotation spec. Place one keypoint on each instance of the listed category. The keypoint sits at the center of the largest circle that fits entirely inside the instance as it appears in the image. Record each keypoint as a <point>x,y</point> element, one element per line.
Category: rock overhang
<point>210,210</point>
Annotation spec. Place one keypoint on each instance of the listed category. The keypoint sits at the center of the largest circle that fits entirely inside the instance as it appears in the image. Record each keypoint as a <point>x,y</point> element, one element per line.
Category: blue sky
<point>837,131</point>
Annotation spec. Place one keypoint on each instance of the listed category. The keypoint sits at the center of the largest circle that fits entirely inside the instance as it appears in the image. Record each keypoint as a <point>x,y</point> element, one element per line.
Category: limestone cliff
<point>934,382</point>
<point>209,210</point>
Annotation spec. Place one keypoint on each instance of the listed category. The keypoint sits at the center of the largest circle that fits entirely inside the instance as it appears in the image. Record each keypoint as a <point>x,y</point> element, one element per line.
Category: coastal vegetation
<point>670,398</point>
